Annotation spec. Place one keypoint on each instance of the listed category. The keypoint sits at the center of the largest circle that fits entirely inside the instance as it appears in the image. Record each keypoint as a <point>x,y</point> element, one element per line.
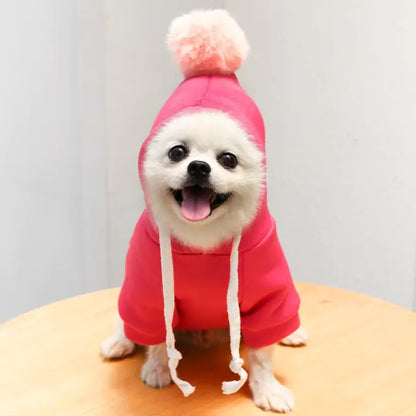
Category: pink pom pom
<point>207,43</point>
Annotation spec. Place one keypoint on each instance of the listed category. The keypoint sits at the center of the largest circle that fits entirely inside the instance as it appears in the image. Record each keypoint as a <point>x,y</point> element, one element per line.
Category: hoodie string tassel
<point>174,357</point>
<point>236,364</point>
<point>169,303</point>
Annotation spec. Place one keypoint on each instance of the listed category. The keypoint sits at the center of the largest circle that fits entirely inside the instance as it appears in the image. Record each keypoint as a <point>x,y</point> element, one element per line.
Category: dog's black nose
<point>199,170</point>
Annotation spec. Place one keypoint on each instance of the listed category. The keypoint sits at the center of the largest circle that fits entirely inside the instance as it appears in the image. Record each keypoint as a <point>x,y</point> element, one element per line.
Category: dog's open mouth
<point>197,203</point>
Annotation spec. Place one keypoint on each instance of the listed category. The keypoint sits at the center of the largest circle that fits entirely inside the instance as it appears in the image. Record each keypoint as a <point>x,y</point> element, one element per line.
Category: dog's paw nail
<point>156,375</point>
<point>116,347</point>
<point>297,338</point>
<point>273,396</point>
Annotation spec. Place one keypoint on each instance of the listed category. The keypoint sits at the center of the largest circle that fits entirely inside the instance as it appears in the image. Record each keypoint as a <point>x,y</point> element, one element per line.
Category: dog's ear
<point>207,42</point>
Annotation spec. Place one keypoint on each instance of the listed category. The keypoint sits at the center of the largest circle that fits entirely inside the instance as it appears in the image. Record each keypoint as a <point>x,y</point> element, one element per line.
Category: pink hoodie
<point>268,300</point>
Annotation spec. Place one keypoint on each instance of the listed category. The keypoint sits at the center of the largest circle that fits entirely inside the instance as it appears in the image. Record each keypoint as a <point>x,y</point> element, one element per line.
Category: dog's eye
<point>178,153</point>
<point>227,160</point>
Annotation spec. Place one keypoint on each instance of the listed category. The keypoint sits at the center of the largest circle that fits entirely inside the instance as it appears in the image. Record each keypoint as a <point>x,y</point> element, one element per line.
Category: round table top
<point>361,360</point>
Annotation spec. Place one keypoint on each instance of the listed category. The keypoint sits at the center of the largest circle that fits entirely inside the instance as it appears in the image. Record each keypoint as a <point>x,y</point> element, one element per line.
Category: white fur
<point>297,338</point>
<point>207,134</point>
<point>267,392</point>
<point>155,371</point>
<point>117,345</point>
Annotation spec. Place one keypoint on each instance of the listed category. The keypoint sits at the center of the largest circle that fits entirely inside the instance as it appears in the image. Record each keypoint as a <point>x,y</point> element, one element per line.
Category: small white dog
<point>205,253</point>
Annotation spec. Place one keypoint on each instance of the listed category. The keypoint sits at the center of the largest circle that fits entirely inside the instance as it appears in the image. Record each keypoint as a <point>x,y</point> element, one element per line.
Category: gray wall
<point>52,159</point>
<point>336,83</point>
<point>81,83</point>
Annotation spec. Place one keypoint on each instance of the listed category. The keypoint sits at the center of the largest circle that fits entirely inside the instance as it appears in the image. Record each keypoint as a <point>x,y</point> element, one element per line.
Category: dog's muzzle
<point>197,199</point>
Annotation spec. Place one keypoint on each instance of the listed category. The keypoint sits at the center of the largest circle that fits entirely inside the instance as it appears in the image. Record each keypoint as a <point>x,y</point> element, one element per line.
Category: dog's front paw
<point>116,346</point>
<point>269,394</point>
<point>296,339</point>
<point>155,374</point>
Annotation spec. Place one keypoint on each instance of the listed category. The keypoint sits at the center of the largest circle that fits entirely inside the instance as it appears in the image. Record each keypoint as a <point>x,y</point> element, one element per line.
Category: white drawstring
<point>233,308</point>
<point>169,304</point>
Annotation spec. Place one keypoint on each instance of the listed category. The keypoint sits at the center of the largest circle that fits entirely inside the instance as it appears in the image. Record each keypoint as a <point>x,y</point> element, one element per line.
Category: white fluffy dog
<point>203,174</point>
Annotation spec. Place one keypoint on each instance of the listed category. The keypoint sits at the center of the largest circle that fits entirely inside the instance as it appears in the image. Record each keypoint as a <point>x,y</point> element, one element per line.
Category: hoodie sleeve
<point>269,301</point>
<point>141,298</point>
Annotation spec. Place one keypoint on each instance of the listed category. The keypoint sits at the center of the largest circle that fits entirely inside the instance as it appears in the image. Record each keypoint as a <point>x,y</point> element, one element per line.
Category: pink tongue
<point>195,205</point>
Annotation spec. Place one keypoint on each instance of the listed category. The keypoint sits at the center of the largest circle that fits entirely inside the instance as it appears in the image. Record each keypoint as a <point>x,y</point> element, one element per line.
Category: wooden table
<point>361,360</point>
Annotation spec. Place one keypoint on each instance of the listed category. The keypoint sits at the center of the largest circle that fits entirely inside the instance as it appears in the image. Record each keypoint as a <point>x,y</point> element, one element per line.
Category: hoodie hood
<point>209,92</point>
<point>222,93</point>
